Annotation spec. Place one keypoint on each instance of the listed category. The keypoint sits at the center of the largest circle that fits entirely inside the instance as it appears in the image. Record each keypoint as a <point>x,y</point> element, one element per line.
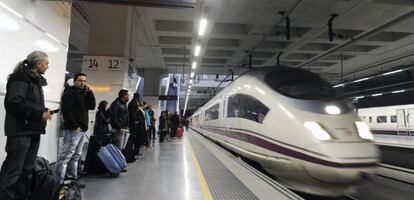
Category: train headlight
<point>317,131</point>
<point>363,131</point>
<point>333,110</point>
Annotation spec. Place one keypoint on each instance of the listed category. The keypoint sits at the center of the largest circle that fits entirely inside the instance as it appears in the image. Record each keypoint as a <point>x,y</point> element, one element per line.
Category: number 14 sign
<point>103,63</point>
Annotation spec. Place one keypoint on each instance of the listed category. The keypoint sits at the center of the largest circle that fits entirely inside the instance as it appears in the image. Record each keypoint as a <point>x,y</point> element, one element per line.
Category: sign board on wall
<point>103,63</point>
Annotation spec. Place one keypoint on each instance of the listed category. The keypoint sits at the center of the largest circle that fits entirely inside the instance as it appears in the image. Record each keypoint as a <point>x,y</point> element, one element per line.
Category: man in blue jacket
<point>26,117</point>
<point>77,100</point>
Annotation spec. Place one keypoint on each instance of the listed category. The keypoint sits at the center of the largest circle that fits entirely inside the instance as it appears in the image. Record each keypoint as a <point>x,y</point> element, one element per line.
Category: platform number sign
<point>103,63</point>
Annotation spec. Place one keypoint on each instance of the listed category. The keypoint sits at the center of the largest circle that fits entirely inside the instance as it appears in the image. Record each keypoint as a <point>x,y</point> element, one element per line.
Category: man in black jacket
<point>25,121</point>
<point>77,100</point>
<point>119,119</point>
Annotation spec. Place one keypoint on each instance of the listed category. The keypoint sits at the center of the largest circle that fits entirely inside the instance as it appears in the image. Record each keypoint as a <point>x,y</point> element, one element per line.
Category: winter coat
<point>101,122</point>
<point>76,104</point>
<point>118,113</point>
<point>24,104</point>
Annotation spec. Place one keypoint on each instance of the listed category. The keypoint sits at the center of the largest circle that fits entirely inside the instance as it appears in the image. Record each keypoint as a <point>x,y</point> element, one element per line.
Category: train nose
<point>343,163</point>
<point>337,175</point>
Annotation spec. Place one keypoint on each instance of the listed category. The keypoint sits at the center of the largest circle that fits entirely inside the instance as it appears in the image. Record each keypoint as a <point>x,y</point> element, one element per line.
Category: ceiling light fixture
<point>194,65</point>
<point>393,72</point>
<point>202,27</point>
<point>197,50</point>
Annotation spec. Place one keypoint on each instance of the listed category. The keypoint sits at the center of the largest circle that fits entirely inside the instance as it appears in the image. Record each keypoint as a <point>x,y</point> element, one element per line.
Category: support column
<point>107,62</point>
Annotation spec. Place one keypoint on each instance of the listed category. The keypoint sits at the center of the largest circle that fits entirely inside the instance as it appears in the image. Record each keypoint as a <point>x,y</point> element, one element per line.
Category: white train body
<point>395,120</point>
<point>255,120</point>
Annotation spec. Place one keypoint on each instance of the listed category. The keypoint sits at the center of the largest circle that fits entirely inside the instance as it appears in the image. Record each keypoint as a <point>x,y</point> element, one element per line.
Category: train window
<point>381,119</point>
<point>212,113</point>
<point>300,84</point>
<point>393,118</point>
<point>247,107</point>
<point>370,120</point>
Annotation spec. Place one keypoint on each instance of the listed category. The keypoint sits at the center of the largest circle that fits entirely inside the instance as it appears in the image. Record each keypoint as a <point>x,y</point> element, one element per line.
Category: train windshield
<point>300,84</point>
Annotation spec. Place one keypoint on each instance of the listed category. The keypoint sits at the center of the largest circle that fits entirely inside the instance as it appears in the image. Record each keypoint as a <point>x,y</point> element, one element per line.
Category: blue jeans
<point>67,164</point>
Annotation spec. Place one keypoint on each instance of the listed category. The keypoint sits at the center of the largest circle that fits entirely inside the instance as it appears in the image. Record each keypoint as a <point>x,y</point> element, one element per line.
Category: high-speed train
<point>293,123</point>
<point>393,120</point>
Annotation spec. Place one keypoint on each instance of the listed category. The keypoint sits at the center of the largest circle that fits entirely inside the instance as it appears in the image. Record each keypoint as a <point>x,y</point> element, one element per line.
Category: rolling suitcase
<point>112,158</point>
<point>93,164</point>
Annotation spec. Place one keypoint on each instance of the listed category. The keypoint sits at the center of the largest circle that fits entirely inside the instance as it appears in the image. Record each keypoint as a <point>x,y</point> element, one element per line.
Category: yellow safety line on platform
<point>203,184</point>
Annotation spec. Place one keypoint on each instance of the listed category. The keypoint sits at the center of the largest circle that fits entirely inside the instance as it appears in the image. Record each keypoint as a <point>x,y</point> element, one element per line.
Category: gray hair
<point>32,60</point>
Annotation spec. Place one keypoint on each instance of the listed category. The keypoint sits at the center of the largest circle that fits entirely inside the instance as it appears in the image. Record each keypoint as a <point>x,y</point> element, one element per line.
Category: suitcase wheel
<point>114,175</point>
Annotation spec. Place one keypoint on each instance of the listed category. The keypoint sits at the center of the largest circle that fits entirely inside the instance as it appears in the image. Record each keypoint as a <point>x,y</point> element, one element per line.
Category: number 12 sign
<point>103,63</point>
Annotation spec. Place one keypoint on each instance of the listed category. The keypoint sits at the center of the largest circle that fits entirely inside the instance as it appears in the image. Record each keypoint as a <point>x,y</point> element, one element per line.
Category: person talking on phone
<point>26,117</point>
<point>77,100</point>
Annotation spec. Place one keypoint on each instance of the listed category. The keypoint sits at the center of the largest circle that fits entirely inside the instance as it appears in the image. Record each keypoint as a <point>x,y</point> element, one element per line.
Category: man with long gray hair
<point>26,117</point>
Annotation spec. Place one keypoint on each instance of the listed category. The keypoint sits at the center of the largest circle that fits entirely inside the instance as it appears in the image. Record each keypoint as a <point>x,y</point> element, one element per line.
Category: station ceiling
<point>369,36</point>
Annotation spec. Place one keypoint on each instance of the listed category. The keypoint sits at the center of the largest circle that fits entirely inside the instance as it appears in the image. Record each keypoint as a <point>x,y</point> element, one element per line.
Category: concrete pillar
<point>109,46</point>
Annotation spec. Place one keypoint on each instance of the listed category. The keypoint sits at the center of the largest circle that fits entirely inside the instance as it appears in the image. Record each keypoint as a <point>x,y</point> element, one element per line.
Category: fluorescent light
<point>340,85</point>
<point>189,86</point>
<point>197,50</point>
<point>332,110</point>
<point>67,72</point>
<point>194,65</point>
<point>192,74</point>
<point>202,27</point>
<point>363,130</point>
<point>191,81</point>
<point>398,91</point>
<point>8,23</point>
<point>47,46</point>
<point>239,88</point>
<point>359,80</point>
<point>11,10</point>
<point>375,95</point>
<point>360,97</point>
<point>317,131</point>
<point>393,72</point>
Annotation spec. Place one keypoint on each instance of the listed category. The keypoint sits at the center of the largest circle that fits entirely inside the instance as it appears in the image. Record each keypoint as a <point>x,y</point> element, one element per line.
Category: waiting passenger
<point>101,120</point>
<point>119,118</point>
<point>77,100</point>
<point>136,123</point>
<point>153,120</point>
<point>144,107</point>
<point>175,123</point>
<point>26,117</point>
<point>163,126</point>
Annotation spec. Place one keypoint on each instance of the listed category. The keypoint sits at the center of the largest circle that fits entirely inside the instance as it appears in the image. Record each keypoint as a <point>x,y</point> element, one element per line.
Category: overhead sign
<point>167,97</point>
<point>106,63</point>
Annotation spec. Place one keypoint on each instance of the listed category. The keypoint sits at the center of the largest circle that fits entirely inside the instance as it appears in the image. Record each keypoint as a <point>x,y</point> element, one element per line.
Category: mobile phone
<point>54,111</point>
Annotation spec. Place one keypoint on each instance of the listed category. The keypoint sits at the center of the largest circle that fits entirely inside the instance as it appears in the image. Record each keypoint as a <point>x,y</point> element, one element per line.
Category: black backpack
<point>44,185</point>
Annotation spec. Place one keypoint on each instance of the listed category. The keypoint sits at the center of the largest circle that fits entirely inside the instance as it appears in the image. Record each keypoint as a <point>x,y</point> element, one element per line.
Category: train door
<point>401,122</point>
<point>410,120</point>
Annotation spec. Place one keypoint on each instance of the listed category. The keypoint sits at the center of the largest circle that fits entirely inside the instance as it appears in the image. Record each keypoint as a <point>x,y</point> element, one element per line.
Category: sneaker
<point>124,170</point>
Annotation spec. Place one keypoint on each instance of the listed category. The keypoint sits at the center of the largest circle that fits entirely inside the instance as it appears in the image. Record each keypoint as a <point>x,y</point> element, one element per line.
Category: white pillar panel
<point>49,23</point>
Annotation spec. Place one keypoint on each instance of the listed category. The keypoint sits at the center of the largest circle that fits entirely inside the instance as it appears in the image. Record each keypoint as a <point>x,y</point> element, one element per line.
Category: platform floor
<point>191,168</point>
